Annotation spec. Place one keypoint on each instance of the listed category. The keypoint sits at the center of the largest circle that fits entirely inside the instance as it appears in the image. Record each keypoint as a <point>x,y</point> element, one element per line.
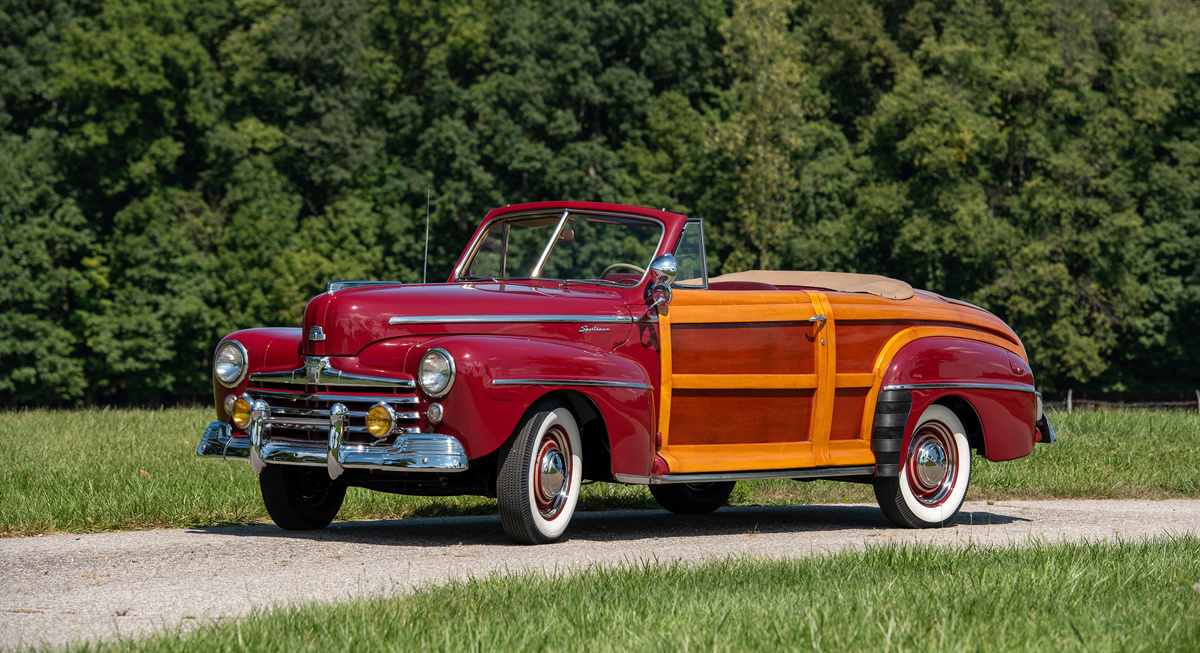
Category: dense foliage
<point>171,171</point>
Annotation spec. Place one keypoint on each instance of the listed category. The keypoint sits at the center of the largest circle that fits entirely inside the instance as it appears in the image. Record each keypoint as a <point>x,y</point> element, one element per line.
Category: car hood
<point>354,318</point>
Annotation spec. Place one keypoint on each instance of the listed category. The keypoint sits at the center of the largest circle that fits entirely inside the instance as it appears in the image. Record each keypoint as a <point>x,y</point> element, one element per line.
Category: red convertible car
<point>579,340</point>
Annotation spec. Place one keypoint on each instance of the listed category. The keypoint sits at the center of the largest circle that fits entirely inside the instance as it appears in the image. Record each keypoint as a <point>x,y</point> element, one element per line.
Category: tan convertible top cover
<point>837,281</point>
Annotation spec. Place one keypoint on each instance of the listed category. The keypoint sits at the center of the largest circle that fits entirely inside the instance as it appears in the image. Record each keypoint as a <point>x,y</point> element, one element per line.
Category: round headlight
<point>241,412</point>
<point>436,374</point>
<point>229,363</point>
<point>380,420</point>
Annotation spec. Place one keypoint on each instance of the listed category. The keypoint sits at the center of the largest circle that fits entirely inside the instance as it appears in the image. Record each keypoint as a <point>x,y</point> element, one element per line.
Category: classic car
<point>581,340</point>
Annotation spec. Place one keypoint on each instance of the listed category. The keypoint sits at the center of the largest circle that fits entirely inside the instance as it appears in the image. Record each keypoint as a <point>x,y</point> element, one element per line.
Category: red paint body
<point>483,415</point>
<point>1007,432</point>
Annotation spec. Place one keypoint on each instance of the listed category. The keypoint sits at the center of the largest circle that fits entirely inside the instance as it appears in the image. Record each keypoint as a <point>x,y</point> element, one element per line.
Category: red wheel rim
<point>931,469</point>
<point>552,473</point>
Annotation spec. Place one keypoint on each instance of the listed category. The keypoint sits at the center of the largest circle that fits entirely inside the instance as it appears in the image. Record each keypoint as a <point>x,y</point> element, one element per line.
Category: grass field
<point>97,470</point>
<point>1087,597</point>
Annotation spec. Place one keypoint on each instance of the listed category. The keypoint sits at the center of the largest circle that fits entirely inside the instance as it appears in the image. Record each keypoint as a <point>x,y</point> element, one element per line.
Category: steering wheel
<point>619,266</point>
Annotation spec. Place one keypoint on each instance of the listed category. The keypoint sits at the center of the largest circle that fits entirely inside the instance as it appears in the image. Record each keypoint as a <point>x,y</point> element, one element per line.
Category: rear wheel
<point>540,475</point>
<point>692,498</point>
<point>934,473</point>
<point>300,498</point>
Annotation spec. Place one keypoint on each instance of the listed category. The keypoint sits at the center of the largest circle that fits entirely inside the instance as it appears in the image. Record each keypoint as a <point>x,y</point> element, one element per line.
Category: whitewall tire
<point>935,470</point>
<point>541,471</point>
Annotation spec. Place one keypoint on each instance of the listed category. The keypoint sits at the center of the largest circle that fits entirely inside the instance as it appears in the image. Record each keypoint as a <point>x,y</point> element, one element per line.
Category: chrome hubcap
<point>552,473</point>
<point>932,465</point>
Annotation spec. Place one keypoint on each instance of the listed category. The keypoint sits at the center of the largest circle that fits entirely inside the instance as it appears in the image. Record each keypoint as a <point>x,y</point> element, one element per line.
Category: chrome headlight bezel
<point>437,391</point>
<point>239,351</point>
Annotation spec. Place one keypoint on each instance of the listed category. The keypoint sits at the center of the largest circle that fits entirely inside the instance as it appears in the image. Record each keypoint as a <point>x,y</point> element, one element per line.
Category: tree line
<point>173,170</point>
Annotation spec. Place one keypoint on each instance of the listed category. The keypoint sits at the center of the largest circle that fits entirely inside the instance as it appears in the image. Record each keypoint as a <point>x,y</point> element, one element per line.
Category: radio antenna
<point>425,265</point>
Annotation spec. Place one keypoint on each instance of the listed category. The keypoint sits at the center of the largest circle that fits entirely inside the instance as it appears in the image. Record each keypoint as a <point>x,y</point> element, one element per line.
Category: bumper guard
<point>1046,433</point>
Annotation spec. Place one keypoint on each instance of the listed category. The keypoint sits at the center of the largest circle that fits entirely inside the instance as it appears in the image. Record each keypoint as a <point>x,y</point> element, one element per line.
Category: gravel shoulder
<point>65,588</point>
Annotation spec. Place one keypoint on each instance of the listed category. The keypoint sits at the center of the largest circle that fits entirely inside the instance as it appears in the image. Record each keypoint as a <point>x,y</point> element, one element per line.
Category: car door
<point>745,380</point>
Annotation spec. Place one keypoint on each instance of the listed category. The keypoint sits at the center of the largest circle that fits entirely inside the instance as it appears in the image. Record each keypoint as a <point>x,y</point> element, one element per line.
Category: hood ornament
<point>315,334</point>
<point>314,366</point>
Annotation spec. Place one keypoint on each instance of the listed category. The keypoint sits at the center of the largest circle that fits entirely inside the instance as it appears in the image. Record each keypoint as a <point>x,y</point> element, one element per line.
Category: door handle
<point>819,320</point>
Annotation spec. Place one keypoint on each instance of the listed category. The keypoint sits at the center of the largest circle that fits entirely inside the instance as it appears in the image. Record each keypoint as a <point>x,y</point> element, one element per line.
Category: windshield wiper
<point>480,277</point>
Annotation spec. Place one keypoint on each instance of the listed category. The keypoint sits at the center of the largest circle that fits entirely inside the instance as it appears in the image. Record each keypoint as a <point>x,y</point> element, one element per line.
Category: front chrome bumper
<point>412,452</point>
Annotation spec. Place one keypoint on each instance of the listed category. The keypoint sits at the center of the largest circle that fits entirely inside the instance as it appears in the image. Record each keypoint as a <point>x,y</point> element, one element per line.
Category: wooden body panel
<point>749,383</point>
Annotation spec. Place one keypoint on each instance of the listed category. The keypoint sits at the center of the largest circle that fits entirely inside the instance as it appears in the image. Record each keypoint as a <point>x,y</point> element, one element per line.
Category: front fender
<point>994,382</point>
<point>265,348</point>
<point>499,377</point>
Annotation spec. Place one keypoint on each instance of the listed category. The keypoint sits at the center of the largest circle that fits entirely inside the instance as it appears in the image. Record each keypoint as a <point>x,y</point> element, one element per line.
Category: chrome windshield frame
<point>537,269</point>
<point>473,247</point>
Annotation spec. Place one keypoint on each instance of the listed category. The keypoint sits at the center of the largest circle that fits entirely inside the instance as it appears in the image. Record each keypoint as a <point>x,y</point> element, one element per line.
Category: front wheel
<point>934,473</point>
<point>300,498</point>
<point>540,474</point>
<point>692,498</point>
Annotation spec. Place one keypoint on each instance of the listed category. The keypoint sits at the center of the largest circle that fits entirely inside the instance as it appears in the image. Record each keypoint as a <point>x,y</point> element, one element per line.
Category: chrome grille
<point>304,415</point>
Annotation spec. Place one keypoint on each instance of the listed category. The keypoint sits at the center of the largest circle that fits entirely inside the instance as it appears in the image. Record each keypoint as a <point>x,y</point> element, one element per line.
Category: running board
<point>807,473</point>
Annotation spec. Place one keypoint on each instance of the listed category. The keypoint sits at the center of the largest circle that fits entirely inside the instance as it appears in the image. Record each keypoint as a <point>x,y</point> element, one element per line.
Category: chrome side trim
<point>963,386</point>
<point>317,370</point>
<point>335,286</point>
<point>808,472</point>
<point>477,319</point>
<point>326,396</point>
<point>574,382</point>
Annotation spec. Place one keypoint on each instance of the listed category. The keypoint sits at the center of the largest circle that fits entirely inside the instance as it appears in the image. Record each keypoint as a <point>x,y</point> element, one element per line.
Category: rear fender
<point>498,378</point>
<point>990,389</point>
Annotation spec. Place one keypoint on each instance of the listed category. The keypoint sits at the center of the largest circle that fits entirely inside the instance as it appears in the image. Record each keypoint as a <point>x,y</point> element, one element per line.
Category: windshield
<point>582,247</point>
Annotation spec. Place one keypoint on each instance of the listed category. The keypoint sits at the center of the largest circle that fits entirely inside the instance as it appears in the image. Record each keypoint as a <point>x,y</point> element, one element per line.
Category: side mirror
<point>664,269</point>
<point>662,274</point>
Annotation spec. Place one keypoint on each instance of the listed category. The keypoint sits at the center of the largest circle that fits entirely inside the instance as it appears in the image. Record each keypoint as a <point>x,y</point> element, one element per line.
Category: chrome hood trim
<point>317,370</point>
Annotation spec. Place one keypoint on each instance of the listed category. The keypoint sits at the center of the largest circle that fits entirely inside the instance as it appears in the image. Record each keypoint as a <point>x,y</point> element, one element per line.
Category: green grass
<point>100,470</point>
<point>1068,597</point>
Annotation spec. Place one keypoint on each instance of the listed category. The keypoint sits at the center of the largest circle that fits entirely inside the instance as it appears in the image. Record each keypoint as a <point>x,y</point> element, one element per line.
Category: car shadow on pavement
<point>615,525</point>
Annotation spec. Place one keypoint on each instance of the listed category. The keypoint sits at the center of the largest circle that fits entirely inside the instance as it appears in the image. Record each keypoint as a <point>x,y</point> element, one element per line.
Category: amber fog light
<point>434,413</point>
<point>241,412</point>
<point>380,420</point>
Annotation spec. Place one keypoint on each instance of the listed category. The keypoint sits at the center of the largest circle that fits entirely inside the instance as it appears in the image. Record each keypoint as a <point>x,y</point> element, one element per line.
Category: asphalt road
<point>64,588</point>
